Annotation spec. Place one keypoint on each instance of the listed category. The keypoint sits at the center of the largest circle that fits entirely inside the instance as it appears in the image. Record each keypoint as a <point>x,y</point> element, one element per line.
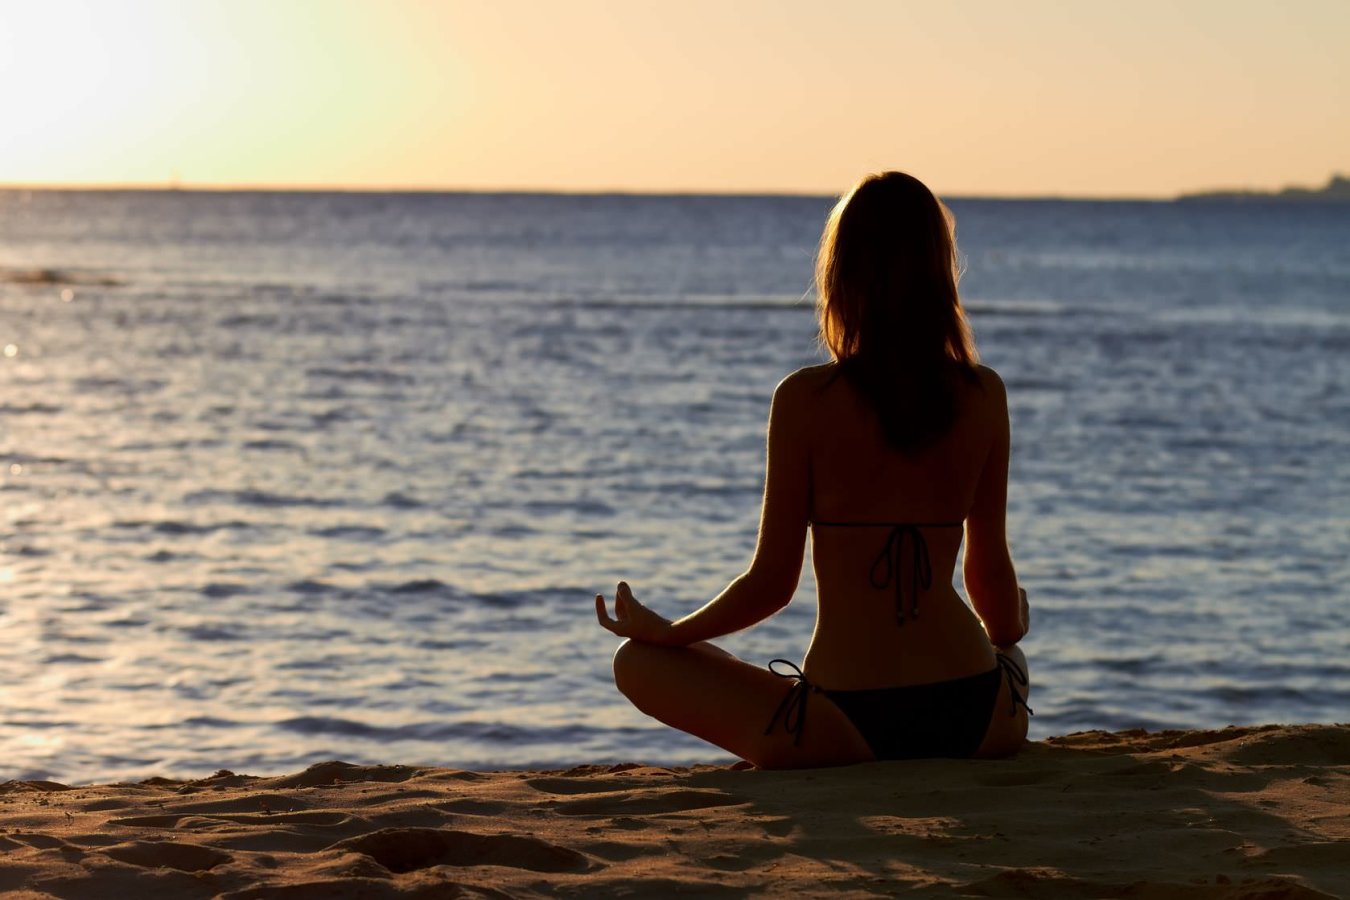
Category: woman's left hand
<point>631,618</point>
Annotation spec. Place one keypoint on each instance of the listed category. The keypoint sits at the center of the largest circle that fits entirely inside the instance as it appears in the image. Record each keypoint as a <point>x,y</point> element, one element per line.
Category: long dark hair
<point>889,311</point>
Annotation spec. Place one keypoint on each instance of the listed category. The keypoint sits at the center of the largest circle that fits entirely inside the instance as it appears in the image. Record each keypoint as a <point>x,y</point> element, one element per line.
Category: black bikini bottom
<point>945,718</point>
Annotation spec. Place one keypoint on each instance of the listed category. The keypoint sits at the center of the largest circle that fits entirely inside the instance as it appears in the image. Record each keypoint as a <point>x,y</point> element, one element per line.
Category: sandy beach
<point>1246,812</point>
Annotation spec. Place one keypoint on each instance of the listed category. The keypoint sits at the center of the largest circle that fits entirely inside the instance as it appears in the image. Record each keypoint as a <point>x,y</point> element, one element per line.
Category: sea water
<point>290,477</point>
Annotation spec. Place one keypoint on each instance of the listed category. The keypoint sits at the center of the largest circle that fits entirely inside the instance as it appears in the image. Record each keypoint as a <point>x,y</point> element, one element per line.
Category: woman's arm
<point>990,578</point>
<point>770,581</point>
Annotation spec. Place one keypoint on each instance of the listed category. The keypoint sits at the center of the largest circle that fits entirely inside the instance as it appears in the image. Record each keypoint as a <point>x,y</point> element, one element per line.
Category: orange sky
<point>997,98</point>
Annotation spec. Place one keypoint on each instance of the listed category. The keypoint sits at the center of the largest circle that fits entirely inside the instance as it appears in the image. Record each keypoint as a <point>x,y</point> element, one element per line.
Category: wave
<point>419,586</point>
<point>71,659</point>
<point>9,409</point>
<point>579,507</point>
<point>194,722</point>
<point>269,444</point>
<point>309,586</point>
<point>175,527</point>
<point>490,732</point>
<point>258,498</point>
<point>54,277</point>
<point>218,590</point>
<point>212,633</point>
<point>250,320</point>
<point>434,644</point>
<point>1019,308</point>
<point>350,532</point>
<point>372,376</point>
<point>125,385</point>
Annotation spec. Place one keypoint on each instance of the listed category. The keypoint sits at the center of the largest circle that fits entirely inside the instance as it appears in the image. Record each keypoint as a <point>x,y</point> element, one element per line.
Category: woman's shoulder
<point>797,398</point>
<point>806,384</point>
<point>990,380</point>
<point>985,394</point>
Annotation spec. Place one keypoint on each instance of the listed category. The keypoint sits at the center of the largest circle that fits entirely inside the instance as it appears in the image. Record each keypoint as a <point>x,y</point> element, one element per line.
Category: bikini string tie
<point>885,570</point>
<point>1015,676</point>
<point>792,710</point>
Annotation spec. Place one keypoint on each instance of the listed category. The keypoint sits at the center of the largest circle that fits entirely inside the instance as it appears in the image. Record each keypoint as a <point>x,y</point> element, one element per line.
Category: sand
<point>1261,812</point>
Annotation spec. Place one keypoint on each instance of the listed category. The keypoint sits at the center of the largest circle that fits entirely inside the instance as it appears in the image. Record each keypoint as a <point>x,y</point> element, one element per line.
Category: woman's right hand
<point>1025,611</point>
<point>631,618</point>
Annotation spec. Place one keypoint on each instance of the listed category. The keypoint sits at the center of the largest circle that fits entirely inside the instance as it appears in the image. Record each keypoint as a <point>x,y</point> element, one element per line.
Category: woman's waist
<point>851,595</point>
<point>906,583</point>
<point>864,651</point>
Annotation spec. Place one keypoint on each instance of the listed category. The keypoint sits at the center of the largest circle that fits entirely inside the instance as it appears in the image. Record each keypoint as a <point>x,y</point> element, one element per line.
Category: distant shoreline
<point>1336,190</point>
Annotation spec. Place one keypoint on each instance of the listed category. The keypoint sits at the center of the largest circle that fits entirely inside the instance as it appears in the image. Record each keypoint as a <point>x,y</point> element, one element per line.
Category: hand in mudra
<point>632,619</point>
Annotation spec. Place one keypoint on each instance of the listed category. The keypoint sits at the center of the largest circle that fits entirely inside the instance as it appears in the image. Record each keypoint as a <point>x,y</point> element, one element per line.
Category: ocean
<point>287,477</point>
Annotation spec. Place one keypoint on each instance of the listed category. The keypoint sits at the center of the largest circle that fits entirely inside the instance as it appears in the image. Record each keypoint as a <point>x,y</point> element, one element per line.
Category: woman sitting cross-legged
<point>890,455</point>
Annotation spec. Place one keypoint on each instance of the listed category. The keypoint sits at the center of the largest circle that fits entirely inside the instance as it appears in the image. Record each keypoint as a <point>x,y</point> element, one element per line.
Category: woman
<point>885,453</point>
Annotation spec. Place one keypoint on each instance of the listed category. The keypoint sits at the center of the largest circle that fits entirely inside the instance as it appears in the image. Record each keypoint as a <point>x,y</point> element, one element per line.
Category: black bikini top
<point>885,569</point>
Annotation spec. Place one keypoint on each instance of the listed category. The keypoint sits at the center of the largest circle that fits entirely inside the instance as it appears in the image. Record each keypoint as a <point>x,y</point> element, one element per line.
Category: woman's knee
<point>650,675</point>
<point>630,660</point>
<point>623,663</point>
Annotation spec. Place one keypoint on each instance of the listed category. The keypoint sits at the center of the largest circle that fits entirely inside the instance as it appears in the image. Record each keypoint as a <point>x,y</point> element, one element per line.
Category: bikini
<point>943,718</point>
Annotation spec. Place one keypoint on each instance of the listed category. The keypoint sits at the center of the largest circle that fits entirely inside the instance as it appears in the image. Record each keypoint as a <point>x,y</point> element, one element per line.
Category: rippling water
<point>287,477</point>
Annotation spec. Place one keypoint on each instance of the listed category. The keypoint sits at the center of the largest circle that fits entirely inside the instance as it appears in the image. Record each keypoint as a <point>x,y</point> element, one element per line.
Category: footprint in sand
<point>456,775</point>
<point>1036,882</point>
<point>270,820</point>
<point>147,821</point>
<point>1017,778</point>
<point>33,787</point>
<point>101,805</point>
<point>582,785</point>
<point>1301,857</point>
<point>734,862</point>
<point>628,823</point>
<point>616,851</point>
<point>39,841</point>
<point>589,785</point>
<point>780,827</point>
<point>408,849</point>
<point>648,805</point>
<point>1153,768</point>
<point>246,803</point>
<point>336,772</point>
<point>469,807</point>
<point>154,854</point>
<point>924,827</point>
<point>1304,746</point>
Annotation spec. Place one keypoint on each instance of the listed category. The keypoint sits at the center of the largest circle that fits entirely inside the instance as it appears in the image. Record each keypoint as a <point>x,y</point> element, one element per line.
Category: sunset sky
<point>989,98</point>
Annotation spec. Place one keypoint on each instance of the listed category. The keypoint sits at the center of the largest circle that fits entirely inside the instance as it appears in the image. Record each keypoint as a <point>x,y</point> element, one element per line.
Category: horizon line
<point>266,188</point>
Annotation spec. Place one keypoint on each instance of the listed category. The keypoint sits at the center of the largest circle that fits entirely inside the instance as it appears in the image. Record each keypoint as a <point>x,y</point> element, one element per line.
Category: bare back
<point>827,463</point>
<point>857,478</point>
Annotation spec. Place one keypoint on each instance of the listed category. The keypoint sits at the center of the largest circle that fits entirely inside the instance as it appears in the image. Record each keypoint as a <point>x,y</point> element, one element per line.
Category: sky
<point>1035,97</point>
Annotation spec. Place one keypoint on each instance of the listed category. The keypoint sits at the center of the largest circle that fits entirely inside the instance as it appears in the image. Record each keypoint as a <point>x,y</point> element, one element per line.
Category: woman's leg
<point>709,693</point>
<point>1007,729</point>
